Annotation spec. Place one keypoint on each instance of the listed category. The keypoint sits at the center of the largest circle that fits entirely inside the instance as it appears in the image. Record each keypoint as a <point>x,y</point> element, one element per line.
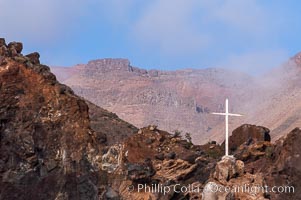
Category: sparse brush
<point>188,137</point>
<point>177,134</point>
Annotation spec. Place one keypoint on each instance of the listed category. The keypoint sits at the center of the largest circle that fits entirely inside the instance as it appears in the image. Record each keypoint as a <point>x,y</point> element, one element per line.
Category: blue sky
<point>249,35</point>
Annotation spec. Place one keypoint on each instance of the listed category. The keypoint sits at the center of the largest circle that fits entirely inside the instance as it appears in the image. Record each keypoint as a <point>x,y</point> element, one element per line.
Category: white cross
<point>227,114</point>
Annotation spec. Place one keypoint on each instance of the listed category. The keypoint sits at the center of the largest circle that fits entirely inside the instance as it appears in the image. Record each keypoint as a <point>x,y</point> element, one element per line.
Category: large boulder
<point>15,48</point>
<point>248,134</point>
<point>228,168</point>
<point>2,42</point>
<point>3,48</point>
<point>140,172</point>
<point>253,152</point>
<point>228,175</point>
<point>34,58</point>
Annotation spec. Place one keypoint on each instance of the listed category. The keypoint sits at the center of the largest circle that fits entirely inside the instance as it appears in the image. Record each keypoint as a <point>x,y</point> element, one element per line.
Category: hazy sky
<point>252,35</point>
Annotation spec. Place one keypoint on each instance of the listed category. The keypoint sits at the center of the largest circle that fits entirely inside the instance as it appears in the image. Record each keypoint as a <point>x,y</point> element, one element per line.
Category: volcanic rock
<point>171,155</point>
<point>225,169</point>
<point>285,167</point>
<point>56,145</point>
<point>108,126</point>
<point>254,151</point>
<point>48,147</point>
<point>34,58</point>
<point>2,42</point>
<point>18,46</point>
<point>247,134</point>
<point>3,49</point>
<point>140,172</point>
<point>228,179</point>
<point>44,135</point>
<point>111,194</point>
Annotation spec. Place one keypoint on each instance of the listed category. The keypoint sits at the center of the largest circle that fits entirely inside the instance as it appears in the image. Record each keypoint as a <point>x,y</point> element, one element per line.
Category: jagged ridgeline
<point>56,145</point>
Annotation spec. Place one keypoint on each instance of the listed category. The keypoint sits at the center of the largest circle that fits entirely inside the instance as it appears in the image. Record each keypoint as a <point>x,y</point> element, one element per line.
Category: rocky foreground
<point>56,145</point>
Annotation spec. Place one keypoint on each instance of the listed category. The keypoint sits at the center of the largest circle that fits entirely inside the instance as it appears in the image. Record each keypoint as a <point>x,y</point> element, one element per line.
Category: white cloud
<point>255,62</point>
<point>173,28</point>
<point>168,26</point>
<point>247,16</point>
<point>36,20</point>
<point>177,27</point>
<point>117,11</point>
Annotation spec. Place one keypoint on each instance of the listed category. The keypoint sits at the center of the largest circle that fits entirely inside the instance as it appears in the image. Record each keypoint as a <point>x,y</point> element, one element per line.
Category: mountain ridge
<point>180,97</point>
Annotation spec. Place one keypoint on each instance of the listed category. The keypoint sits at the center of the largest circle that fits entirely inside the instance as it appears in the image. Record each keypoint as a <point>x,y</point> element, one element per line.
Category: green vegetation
<point>269,152</point>
<point>177,134</point>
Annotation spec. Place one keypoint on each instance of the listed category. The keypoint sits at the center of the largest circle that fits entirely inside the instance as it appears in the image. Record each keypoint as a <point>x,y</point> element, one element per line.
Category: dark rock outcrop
<point>229,173</point>
<point>48,147</point>
<point>45,134</point>
<point>248,134</point>
<point>34,58</point>
<point>285,168</point>
<point>53,144</point>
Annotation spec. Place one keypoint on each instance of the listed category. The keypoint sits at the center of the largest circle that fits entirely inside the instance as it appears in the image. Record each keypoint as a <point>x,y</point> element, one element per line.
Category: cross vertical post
<point>227,114</point>
<point>227,128</point>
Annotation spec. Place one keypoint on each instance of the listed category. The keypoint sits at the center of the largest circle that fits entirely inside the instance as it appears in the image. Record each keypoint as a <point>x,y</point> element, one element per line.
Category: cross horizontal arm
<point>235,115</point>
<point>229,114</point>
<point>218,113</point>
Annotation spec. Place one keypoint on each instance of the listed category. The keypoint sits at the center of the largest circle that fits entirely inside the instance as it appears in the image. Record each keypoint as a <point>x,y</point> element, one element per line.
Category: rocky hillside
<point>47,134</point>
<point>182,99</point>
<point>56,145</point>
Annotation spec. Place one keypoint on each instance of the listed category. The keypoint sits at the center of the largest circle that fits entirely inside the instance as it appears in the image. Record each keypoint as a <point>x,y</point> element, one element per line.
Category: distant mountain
<point>183,99</point>
<point>173,100</point>
<point>275,100</point>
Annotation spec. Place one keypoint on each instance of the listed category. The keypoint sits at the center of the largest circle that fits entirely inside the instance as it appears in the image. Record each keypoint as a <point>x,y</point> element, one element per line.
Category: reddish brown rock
<point>183,99</point>
<point>34,58</point>
<point>3,51</point>
<point>48,147</point>
<point>171,100</point>
<point>56,145</point>
<point>2,42</point>
<point>285,167</point>
<point>248,134</point>
<point>15,46</point>
<point>44,135</point>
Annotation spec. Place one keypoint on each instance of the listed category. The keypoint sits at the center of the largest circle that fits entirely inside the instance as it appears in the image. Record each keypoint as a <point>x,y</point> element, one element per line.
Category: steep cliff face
<point>174,100</point>
<point>46,137</point>
<point>183,99</point>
